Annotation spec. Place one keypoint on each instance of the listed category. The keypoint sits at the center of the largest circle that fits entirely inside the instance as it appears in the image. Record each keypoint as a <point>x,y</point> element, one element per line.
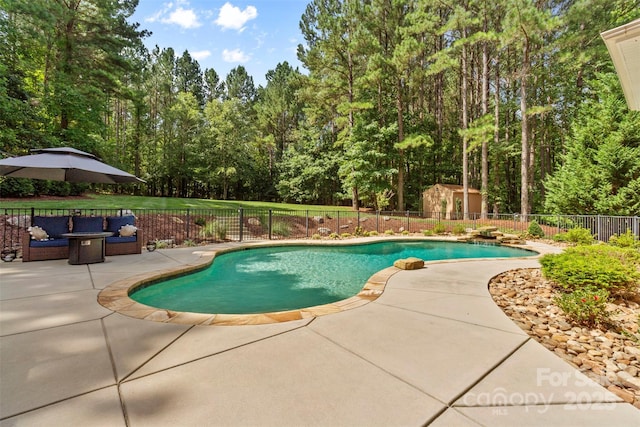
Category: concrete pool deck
<point>432,349</point>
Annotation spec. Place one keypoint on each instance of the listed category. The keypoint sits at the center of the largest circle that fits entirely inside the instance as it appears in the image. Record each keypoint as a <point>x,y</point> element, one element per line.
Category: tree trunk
<point>524,157</point>
<point>465,123</point>
<point>484,186</point>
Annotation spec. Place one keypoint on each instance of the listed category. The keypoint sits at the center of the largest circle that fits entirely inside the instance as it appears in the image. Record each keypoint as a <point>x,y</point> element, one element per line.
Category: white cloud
<point>201,54</point>
<point>235,55</point>
<point>186,18</point>
<point>231,17</point>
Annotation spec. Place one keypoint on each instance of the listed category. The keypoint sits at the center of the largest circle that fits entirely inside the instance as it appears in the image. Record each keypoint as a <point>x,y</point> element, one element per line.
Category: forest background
<point>518,98</point>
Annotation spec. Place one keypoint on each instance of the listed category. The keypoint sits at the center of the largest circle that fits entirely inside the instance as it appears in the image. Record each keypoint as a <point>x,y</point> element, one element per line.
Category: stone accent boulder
<point>409,263</point>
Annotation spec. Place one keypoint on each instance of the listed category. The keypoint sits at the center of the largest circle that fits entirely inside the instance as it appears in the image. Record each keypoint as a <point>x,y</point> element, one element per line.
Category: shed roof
<point>457,188</point>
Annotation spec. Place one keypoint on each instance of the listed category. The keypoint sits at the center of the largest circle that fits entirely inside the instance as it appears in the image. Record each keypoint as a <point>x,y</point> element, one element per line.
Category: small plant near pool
<point>626,240</point>
<point>280,228</point>
<point>373,233</point>
<point>316,236</point>
<point>439,228</point>
<point>459,229</point>
<point>586,306</point>
<point>345,235</point>
<point>576,236</point>
<point>427,232</point>
<point>535,230</point>
<point>389,232</point>
<point>214,229</point>
<point>334,236</point>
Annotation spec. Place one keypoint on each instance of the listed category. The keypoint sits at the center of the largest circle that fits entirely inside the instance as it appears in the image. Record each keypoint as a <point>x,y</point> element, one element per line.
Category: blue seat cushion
<point>114,223</point>
<point>53,225</point>
<point>51,243</point>
<point>87,224</point>
<point>117,239</point>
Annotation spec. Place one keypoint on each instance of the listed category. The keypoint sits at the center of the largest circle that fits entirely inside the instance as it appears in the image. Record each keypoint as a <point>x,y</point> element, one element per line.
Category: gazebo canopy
<point>623,44</point>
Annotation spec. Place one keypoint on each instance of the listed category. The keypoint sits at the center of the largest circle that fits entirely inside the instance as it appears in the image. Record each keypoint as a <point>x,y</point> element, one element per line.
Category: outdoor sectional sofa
<point>57,247</point>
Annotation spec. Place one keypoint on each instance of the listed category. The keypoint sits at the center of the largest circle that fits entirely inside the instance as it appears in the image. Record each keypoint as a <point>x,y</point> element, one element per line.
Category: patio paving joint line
<point>489,371</point>
<point>450,319</point>
<point>64,399</point>
<point>127,378</point>
<point>380,368</point>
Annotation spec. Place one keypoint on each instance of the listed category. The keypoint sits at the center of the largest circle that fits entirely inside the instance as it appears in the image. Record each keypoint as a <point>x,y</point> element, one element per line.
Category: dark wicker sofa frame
<point>31,253</point>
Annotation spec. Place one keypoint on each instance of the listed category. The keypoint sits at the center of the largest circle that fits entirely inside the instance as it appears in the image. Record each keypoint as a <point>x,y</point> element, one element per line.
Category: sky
<point>257,34</point>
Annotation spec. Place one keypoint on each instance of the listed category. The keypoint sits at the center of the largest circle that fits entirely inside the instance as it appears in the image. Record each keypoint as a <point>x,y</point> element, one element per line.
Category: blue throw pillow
<point>87,224</point>
<point>53,225</point>
<point>115,222</point>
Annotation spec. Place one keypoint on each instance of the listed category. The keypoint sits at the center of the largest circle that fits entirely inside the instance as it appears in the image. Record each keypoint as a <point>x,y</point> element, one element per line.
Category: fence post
<point>188,220</point>
<point>598,228</point>
<point>338,222</point>
<point>240,223</point>
<point>408,225</point>
<point>377,221</point>
<point>307,223</point>
<point>270,222</point>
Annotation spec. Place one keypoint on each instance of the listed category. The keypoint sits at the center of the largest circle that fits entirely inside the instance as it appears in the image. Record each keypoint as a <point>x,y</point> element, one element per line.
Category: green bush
<point>439,228</point>
<point>316,236</point>
<point>580,236</point>
<point>389,232</point>
<point>587,306</point>
<point>427,232</point>
<point>535,230</point>
<point>373,233</point>
<point>280,228</point>
<point>459,229</point>
<point>602,266</point>
<point>214,229</point>
<point>626,240</point>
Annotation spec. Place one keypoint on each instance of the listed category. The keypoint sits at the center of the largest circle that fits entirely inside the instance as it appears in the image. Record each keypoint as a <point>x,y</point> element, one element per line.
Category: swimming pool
<point>280,278</point>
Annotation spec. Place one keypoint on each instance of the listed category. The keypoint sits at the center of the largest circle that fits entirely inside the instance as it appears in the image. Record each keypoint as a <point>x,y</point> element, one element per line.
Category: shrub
<point>587,306</point>
<point>405,232</point>
<point>607,267</point>
<point>359,231</point>
<point>189,243</point>
<point>373,233</point>
<point>577,236</point>
<point>626,240</point>
<point>345,235</point>
<point>280,228</point>
<point>316,236</point>
<point>427,232</point>
<point>459,229</point>
<point>535,230</point>
<point>334,236</point>
<point>200,221</point>
<point>214,229</point>
<point>389,232</point>
<point>439,228</point>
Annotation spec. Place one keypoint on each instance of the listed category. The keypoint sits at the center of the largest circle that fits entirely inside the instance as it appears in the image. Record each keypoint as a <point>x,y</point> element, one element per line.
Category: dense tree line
<point>514,97</point>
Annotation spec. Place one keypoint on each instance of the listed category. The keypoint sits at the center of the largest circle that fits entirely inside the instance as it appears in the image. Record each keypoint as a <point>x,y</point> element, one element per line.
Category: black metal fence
<point>202,226</point>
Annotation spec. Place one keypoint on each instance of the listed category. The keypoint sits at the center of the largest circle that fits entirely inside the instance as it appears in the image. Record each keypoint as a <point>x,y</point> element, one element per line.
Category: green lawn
<point>109,201</point>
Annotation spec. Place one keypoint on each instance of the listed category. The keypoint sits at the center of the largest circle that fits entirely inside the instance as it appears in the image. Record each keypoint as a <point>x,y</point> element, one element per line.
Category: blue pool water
<point>277,278</point>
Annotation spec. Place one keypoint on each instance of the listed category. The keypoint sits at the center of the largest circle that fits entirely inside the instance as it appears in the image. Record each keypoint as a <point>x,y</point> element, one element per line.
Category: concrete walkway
<point>433,349</point>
